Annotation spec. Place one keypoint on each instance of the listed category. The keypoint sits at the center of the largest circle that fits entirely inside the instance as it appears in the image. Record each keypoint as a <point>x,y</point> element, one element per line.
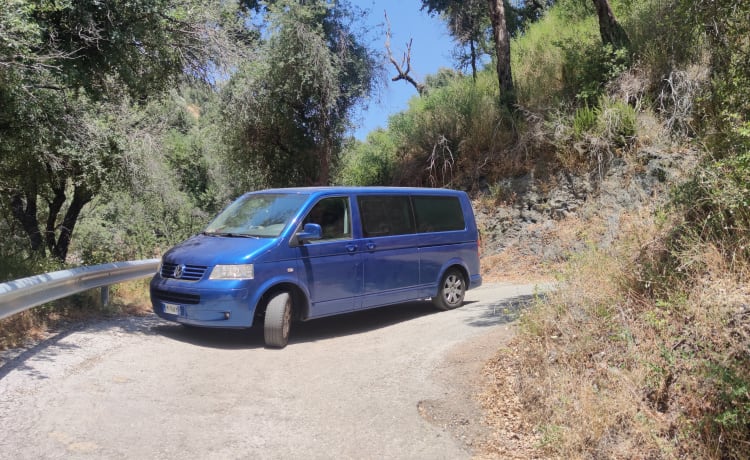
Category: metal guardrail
<point>25,293</point>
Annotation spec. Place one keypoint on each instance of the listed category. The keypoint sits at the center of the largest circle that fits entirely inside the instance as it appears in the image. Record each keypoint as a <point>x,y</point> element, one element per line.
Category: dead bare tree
<point>405,60</point>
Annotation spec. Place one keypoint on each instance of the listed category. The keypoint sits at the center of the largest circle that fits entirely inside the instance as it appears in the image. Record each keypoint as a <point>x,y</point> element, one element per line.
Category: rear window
<point>438,214</point>
<point>385,215</point>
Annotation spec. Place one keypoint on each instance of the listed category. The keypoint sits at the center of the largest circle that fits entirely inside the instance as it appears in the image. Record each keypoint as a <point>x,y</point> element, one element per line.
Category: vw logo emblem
<point>179,270</point>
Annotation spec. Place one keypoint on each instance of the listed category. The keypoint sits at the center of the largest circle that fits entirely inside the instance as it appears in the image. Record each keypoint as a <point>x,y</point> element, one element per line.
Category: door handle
<point>351,247</point>
<point>370,245</point>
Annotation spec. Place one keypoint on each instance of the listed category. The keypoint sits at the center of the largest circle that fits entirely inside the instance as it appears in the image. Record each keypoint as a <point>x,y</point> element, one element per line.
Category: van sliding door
<point>391,258</point>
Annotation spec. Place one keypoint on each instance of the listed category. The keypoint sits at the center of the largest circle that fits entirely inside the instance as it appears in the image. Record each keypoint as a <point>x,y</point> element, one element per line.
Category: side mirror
<point>310,232</point>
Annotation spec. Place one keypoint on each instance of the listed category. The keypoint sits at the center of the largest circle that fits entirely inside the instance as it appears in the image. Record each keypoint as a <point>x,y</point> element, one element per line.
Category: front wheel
<point>451,292</point>
<point>278,320</point>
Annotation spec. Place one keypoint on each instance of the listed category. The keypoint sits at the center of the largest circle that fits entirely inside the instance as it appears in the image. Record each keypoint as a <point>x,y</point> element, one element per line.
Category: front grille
<point>176,297</point>
<point>189,272</point>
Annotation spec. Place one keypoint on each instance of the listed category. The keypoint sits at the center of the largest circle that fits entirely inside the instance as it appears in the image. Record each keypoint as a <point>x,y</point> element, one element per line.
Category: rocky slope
<point>547,219</point>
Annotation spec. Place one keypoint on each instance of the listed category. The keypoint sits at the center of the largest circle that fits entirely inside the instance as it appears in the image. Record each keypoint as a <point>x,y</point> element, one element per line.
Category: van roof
<point>369,190</point>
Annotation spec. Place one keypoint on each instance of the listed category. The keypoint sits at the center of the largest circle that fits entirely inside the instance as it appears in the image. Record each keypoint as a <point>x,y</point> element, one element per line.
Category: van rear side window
<point>385,215</point>
<point>392,215</point>
<point>438,214</point>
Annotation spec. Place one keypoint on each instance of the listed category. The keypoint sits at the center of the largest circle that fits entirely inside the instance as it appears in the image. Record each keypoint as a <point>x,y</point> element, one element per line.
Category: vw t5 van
<point>276,256</point>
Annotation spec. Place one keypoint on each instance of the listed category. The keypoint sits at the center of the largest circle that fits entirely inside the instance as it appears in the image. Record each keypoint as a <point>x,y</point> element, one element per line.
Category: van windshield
<point>260,215</point>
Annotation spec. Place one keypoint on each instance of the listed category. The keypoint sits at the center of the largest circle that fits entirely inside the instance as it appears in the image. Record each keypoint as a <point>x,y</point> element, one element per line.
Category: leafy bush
<point>538,60</point>
<point>716,206</point>
<point>617,122</point>
<point>453,134</point>
<point>369,163</point>
<point>663,35</point>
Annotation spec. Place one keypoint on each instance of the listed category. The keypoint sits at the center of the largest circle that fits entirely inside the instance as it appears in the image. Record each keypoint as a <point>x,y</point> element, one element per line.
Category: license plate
<point>171,309</point>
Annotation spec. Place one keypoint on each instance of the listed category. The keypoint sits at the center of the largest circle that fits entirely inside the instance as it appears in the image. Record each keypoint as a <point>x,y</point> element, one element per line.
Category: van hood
<point>210,250</point>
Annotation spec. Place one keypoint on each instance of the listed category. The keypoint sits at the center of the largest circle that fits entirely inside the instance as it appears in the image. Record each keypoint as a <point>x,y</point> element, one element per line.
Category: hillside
<point>615,159</point>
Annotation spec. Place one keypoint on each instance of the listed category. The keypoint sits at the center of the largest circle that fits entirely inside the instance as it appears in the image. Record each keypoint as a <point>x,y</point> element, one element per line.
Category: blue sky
<point>431,48</point>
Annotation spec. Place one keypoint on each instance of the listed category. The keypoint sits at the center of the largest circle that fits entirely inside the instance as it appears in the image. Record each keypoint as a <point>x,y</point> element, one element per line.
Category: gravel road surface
<point>378,384</point>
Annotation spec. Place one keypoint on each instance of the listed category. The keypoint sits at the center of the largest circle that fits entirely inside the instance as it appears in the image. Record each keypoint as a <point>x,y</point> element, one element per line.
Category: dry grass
<point>627,361</point>
<point>511,266</point>
<point>513,437</point>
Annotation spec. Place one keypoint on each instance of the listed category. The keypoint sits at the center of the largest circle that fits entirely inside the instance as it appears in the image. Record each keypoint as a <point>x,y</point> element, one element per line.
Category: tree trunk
<point>502,49</point>
<point>325,164</point>
<point>473,48</point>
<point>611,31</point>
<point>54,210</point>
<point>24,208</point>
<point>81,196</point>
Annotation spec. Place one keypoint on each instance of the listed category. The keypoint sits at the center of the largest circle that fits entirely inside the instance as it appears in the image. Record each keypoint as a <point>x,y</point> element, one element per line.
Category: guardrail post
<point>105,296</point>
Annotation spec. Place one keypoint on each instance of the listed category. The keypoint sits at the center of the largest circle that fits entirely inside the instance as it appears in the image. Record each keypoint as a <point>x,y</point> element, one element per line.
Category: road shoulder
<point>479,406</point>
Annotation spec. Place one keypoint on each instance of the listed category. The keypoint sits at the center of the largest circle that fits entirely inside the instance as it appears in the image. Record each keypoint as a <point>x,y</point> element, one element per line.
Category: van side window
<point>438,214</point>
<point>384,215</point>
<point>333,216</point>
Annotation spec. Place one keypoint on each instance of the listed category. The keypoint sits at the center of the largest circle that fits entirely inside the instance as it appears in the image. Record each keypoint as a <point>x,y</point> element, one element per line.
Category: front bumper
<point>207,307</point>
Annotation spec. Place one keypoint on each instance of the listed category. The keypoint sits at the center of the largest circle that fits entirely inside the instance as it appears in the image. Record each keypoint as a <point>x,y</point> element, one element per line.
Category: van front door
<point>331,267</point>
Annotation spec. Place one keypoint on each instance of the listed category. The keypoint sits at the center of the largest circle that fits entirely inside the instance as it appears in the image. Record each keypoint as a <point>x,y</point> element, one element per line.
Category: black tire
<point>451,290</point>
<point>278,320</point>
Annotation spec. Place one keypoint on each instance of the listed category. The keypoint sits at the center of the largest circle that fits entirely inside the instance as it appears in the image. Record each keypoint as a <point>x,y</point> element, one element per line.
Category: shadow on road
<point>45,350</point>
<point>501,312</point>
<point>309,331</point>
<point>360,322</point>
<point>476,314</point>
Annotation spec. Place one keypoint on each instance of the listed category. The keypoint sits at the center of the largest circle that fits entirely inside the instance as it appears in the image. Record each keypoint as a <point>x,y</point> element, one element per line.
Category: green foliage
<point>171,186</point>
<point>734,395</point>
<point>121,226</point>
<point>139,47</point>
<point>728,25</point>
<point>452,135</point>
<point>595,134</point>
<point>663,36</point>
<point>575,10</point>
<point>716,206</point>
<point>617,122</point>
<point>287,113</point>
<point>588,66</point>
<point>469,24</point>
<point>537,65</point>
<point>584,120</point>
<point>447,137</point>
<point>563,59</point>
<point>372,162</point>
<point>66,70</point>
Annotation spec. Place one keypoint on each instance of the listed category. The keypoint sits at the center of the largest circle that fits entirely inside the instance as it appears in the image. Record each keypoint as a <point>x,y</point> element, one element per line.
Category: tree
<point>467,25</point>
<point>502,52</point>
<point>65,68</point>
<point>610,30</point>
<point>288,111</point>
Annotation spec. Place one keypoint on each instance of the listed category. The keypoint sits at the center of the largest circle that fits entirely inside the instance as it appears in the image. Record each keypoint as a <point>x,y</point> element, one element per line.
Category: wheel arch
<point>300,302</point>
<point>459,265</point>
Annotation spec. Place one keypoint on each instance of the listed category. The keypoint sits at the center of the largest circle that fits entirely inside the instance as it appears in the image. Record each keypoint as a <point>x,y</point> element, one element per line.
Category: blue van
<point>302,253</point>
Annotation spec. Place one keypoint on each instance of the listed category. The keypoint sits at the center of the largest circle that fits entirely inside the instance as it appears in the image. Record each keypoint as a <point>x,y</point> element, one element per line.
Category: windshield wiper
<point>231,235</point>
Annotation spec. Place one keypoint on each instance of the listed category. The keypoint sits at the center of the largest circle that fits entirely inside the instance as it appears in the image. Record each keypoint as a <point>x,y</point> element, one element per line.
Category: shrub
<point>372,162</point>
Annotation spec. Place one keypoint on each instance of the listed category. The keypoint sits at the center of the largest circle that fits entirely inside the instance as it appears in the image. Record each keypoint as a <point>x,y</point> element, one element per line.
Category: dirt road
<point>385,383</point>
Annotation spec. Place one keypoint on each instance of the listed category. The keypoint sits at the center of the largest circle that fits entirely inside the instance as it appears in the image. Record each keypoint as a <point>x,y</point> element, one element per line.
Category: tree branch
<point>405,60</point>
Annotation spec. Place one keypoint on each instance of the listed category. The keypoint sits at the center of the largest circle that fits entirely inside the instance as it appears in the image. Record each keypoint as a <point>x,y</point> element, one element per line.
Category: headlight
<point>232,272</point>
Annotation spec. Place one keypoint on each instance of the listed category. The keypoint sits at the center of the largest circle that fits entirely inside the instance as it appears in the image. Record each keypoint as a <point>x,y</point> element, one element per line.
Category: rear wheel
<point>278,320</point>
<point>452,290</point>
